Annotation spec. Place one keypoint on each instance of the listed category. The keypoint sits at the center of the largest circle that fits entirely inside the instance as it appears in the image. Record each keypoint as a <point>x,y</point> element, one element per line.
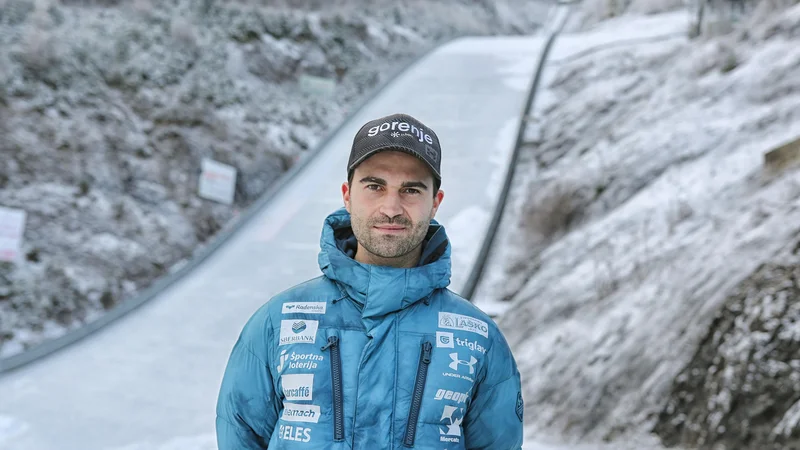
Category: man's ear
<point>346,195</point>
<point>437,200</point>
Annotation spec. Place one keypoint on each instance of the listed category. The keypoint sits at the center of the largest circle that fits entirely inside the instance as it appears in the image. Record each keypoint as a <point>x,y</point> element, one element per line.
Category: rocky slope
<point>741,389</point>
<point>107,109</point>
<point>646,204</point>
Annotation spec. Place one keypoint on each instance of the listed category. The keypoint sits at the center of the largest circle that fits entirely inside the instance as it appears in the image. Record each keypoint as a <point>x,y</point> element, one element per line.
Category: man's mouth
<point>390,228</point>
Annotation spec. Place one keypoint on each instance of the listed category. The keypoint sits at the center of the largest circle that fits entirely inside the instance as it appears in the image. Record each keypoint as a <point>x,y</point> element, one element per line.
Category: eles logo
<point>292,433</point>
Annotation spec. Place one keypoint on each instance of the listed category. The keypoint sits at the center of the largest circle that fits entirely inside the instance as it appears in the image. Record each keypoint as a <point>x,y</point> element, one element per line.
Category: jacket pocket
<point>336,384</point>
<point>419,389</point>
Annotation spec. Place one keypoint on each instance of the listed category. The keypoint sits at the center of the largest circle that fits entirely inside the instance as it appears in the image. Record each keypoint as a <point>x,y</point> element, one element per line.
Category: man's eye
<point>373,187</point>
<point>412,191</point>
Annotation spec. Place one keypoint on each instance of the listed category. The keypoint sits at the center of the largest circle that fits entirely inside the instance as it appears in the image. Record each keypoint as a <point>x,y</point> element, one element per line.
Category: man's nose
<point>391,205</point>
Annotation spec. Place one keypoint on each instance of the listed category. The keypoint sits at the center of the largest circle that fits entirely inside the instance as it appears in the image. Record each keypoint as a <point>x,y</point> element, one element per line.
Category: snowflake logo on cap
<point>395,134</point>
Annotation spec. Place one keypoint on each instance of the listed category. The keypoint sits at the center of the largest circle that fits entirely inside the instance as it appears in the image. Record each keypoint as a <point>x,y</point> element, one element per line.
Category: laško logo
<point>455,321</point>
<point>403,127</point>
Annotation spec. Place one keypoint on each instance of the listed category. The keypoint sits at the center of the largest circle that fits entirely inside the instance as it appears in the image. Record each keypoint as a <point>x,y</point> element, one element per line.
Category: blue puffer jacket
<point>369,357</point>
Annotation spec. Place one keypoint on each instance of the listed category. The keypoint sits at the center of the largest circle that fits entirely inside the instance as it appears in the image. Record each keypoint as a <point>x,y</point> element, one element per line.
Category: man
<point>376,353</point>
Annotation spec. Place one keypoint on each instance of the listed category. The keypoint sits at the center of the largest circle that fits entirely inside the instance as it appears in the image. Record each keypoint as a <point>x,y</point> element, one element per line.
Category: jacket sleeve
<point>247,406</point>
<point>494,418</point>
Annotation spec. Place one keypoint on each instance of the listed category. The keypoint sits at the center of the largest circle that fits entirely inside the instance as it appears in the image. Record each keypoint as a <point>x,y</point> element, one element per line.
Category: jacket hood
<point>381,290</point>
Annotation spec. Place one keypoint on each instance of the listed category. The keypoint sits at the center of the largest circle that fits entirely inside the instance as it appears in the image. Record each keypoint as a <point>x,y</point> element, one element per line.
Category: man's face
<point>391,203</point>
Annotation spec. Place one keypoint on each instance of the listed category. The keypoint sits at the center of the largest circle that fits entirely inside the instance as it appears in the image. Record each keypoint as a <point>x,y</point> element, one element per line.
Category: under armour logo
<point>456,362</point>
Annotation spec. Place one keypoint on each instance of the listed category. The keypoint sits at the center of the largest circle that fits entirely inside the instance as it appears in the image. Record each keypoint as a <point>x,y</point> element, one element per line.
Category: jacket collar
<point>380,290</point>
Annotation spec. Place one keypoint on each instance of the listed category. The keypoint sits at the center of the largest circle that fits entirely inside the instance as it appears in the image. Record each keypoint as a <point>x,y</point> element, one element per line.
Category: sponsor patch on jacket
<point>293,433</point>
<point>445,339</point>
<point>294,360</point>
<point>450,424</point>
<point>445,394</point>
<point>304,307</point>
<point>520,406</point>
<point>294,412</point>
<point>465,323</point>
<point>298,386</point>
<point>298,331</point>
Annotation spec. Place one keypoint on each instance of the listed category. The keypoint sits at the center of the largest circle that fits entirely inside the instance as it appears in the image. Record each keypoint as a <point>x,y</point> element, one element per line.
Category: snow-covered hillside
<point>106,113</point>
<point>644,206</point>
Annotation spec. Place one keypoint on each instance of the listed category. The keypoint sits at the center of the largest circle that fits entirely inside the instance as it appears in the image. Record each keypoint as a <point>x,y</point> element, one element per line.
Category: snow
<point>114,104</point>
<point>604,314</point>
<point>150,379</point>
<point>619,32</point>
<point>10,428</point>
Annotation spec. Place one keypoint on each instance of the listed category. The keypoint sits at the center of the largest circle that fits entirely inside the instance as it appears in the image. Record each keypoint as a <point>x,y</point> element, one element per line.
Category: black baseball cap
<point>398,132</point>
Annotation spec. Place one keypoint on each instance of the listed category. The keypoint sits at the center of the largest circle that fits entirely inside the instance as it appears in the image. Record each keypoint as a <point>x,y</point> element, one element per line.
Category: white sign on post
<point>317,85</point>
<point>12,227</point>
<point>217,181</point>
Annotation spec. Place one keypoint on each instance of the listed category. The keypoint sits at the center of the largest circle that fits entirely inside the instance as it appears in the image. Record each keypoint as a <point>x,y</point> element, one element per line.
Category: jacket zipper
<point>336,382</point>
<point>416,399</point>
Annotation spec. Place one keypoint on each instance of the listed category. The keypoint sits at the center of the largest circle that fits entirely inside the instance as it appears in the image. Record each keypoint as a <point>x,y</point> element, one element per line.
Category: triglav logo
<point>472,345</point>
<point>298,386</point>
<point>444,339</point>
<point>459,362</point>
<point>418,132</point>
<point>450,424</point>
<point>465,323</point>
<point>298,361</point>
<point>298,331</point>
<point>304,307</point>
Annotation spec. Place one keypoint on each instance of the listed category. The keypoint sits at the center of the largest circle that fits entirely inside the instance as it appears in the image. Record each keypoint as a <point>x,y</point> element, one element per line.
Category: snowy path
<point>150,380</point>
<point>616,32</point>
<point>624,31</point>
